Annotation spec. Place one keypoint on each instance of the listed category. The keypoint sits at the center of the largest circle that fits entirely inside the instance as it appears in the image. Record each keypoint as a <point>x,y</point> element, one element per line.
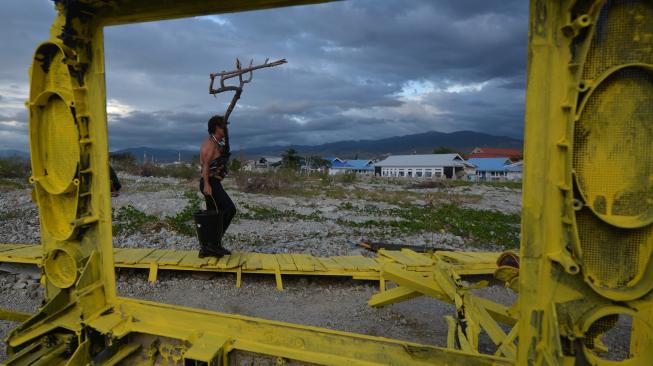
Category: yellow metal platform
<point>356,267</point>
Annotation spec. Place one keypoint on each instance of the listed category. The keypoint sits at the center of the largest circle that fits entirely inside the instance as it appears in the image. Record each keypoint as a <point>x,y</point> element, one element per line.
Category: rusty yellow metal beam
<point>13,316</point>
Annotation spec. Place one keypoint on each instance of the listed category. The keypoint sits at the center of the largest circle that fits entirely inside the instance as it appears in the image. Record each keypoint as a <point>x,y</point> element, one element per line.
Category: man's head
<point>217,126</point>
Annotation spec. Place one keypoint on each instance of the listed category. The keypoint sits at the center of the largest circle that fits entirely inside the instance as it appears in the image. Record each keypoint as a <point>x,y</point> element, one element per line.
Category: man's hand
<point>207,189</point>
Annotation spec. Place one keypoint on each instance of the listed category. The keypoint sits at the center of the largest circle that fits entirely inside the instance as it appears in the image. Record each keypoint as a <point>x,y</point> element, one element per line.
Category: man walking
<point>210,183</point>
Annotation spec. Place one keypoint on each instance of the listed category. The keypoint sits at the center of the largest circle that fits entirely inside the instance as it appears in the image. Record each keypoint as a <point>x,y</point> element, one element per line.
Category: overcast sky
<point>361,69</point>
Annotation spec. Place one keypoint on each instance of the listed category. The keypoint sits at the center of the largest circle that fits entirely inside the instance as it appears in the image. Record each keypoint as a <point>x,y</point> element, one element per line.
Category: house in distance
<point>429,166</point>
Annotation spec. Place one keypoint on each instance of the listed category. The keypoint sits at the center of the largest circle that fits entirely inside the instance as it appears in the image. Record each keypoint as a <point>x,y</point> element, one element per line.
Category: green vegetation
<point>14,167</point>
<point>446,150</point>
<point>183,221</point>
<point>480,227</point>
<point>273,214</point>
<point>128,220</point>
<point>123,161</point>
<point>235,165</point>
<point>290,159</point>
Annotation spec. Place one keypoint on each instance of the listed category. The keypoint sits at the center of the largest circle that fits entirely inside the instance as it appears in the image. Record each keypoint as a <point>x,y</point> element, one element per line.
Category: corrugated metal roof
<point>425,160</point>
<point>331,158</point>
<point>353,164</point>
<point>490,164</point>
<point>360,163</point>
<point>516,167</point>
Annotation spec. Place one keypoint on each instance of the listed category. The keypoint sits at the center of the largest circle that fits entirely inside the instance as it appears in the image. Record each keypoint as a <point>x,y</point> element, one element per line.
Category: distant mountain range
<point>422,143</point>
<point>12,153</point>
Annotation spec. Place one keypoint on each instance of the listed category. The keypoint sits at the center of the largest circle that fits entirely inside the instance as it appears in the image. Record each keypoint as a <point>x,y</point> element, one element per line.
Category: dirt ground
<point>320,221</point>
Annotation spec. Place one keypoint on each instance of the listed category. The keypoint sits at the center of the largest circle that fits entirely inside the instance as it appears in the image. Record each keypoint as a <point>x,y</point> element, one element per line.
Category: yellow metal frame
<point>567,299</point>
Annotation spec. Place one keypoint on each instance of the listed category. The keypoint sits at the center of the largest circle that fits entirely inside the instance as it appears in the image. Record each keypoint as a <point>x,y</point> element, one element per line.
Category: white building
<point>429,166</point>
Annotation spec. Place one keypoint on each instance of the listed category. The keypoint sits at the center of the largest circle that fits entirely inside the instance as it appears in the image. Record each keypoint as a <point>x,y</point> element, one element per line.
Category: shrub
<point>14,167</point>
<point>183,221</point>
<point>282,180</point>
<point>182,171</point>
<point>347,178</point>
<point>128,220</point>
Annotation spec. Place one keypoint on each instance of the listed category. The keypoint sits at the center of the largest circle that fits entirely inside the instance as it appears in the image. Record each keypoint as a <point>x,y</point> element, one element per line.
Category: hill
<point>422,143</point>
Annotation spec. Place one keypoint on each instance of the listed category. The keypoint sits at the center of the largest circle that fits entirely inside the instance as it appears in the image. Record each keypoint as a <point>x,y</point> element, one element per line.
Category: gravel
<point>339,304</point>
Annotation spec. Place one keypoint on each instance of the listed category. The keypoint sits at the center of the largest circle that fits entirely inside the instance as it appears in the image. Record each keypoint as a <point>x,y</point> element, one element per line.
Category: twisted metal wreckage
<point>587,216</point>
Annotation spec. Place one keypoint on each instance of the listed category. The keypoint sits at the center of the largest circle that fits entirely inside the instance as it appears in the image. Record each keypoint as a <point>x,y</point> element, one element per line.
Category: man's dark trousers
<point>225,204</point>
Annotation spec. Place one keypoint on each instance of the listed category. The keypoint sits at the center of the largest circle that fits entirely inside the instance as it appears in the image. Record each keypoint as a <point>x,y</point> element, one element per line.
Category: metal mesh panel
<point>624,34</point>
<point>613,142</point>
<point>612,257</point>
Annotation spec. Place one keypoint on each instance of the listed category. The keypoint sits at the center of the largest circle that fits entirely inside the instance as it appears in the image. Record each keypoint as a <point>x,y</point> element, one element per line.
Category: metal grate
<point>613,142</point>
<point>624,34</point>
<point>612,257</point>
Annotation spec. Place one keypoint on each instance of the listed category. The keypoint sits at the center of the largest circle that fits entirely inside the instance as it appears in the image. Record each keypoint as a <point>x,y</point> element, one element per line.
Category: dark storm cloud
<point>352,71</point>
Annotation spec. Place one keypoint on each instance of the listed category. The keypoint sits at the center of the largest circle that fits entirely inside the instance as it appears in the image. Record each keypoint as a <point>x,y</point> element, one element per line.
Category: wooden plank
<point>28,252</point>
<point>222,262</point>
<point>252,261</point>
<point>269,262</point>
<point>192,260</point>
<point>6,247</point>
<point>367,264</point>
<point>172,258</point>
<point>317,266</point>
<point>422,259</point>
<point>400,257</point>
<point>235,260</point>
<point>345,262</point>
<point>119,254</point>
<point>303,262</point>
<point>392,296</point>
<point>154,256</point>
<point>330,264</point>
<point>133,256</point>
<point>286,263</point>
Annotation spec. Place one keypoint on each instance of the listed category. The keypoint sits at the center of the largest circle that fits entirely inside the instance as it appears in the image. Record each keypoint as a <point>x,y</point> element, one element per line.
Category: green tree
<point>290,159</point>
<point>235,165</point>
<point>316,162</point>
<point>122,161</point>
<point>446,150</point>
<point>14,167</point>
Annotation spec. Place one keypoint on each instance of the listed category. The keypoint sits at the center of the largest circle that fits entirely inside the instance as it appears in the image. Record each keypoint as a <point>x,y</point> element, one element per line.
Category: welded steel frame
<point>84,321</point>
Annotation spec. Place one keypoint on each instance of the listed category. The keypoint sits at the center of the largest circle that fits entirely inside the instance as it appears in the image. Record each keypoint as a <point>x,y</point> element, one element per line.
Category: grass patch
<point>13,183</point>
<point>14,167</point>
<point>273,214</point>
<point>128,220</point>
<point>480,227</point>
<point>183,222</point>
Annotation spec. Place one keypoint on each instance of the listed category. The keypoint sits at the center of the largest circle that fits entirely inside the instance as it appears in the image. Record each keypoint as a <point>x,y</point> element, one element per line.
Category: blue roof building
<point>491,168</point>
<point>351,166</point>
